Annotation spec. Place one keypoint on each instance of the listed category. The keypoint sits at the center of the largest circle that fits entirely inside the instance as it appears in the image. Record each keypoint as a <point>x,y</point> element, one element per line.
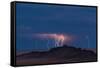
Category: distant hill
<point>64,54</point>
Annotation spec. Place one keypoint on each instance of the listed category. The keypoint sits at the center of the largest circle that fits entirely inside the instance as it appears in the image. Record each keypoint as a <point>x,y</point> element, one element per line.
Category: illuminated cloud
<point>60,39</point>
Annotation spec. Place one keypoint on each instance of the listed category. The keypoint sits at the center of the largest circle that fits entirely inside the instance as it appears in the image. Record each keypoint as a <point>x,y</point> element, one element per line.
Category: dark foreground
<point>63,54</point>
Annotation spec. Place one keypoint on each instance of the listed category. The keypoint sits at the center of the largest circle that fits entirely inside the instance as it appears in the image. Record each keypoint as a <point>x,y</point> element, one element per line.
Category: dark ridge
<point>64,52</point>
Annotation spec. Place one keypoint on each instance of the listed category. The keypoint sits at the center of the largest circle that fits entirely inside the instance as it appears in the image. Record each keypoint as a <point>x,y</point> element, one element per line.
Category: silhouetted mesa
<point>64,54</point>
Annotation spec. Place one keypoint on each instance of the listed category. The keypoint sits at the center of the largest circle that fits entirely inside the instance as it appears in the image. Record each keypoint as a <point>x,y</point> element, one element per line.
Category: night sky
<point>79,22</point>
